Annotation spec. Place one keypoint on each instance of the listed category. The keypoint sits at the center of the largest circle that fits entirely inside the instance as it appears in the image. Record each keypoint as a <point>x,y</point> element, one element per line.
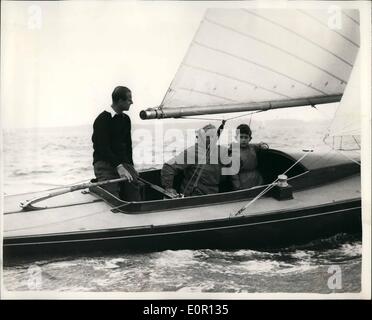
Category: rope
<point>69,219</point>
<point>341,153</point>
<point>347,157</point>
<point>356,141</point>
<point>46,190</point>
<point>246,114</point>
<point>220,119</point>
<point>206,119</point>
<point>341,137</point>
<point>267,189</point>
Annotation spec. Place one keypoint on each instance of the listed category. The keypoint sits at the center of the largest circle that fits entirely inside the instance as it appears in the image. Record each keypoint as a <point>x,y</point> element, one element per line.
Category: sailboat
<point>240,60</point>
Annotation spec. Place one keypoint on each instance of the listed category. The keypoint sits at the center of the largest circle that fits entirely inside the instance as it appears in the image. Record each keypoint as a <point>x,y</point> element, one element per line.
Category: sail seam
<point>322,23</point>
<point>299,35</point>
<point>260,65</point>
<point>351,18</point>
<point>277,48</point>
<point>206,93</point>
<point>236,79</point>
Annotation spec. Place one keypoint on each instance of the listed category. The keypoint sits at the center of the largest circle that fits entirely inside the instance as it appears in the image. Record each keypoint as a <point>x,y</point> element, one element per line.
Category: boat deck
<point>85,213</point>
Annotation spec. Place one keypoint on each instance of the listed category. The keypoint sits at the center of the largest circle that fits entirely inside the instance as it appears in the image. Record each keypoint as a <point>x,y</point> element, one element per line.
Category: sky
<point>61,60</point>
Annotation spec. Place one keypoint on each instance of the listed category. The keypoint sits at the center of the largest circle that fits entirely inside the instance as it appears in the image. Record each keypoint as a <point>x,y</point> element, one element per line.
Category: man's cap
<point>209,127</point>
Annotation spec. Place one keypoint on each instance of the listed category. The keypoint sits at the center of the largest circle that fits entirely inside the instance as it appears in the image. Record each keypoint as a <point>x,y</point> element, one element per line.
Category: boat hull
<point>264,231</point>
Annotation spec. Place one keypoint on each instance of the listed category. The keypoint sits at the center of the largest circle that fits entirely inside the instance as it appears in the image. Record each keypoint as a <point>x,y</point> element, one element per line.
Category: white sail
<point>244,56</point>
<point>347,121</point>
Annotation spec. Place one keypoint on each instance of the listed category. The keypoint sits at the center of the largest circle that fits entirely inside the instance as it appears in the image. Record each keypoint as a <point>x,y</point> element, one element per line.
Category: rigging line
<point>322,113</point>
<point>356,141</point>
<point>245,115</point>
<point>268,188</point>
<point>68,219</point>
<point>347,126</point>
<point>305,155</point>
<point>260,65</point>
<point>237,79</point>
<point>322,23</point>
<point>226,119</point>
<point>46,190</point>
<point>299,35</point>
<point>339,152</point>
<point>277,48</point>
<point>195,118</point>
<point>347,157</point>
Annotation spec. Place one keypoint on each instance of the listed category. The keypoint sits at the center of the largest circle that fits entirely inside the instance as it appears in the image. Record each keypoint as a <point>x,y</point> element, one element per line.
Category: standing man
<point>112,144</point>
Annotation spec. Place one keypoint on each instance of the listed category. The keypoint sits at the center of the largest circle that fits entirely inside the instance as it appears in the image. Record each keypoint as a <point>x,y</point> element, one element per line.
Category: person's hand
<point>172,192</point>
<point>263,145</point>
<point>124,173</point>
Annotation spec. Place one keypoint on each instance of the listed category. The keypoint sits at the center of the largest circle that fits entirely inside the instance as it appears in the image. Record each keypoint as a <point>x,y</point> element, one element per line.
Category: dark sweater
<point>112,141</point>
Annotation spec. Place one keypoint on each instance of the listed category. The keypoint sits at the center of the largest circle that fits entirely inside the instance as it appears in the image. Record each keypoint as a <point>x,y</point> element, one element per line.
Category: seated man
<point>248,175</point>
<point>200,165</point>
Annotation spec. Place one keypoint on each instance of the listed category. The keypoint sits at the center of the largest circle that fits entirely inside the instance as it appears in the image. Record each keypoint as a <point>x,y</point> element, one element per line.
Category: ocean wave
<point>62,265</point>
<point>175,258</point>
<point>257,267</point>
<point>202,287</point>
<point>332,242</point>
<point>20,173</point>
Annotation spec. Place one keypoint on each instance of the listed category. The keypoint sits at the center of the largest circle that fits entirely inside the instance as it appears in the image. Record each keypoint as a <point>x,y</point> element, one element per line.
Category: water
<point>38,159</point>
<point>247,271</point>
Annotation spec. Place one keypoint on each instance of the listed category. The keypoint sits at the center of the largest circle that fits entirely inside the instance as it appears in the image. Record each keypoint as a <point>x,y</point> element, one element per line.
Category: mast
<point>162,113</point>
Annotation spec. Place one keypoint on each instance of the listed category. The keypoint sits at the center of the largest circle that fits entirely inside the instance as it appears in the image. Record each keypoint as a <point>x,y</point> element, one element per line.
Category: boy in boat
<point>200,165</point>
<point>112,144</point>
<point>248,175</point>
